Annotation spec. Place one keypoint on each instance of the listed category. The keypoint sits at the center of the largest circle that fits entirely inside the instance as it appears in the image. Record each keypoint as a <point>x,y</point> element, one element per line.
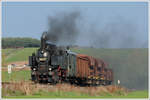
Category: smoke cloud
<point>70,29</point>
<point>119,34</point>
<point>63,28</point>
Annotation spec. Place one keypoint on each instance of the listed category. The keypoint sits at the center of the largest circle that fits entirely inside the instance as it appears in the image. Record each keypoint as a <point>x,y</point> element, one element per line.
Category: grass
<point>13,55</point>
<point>138,94</point>
<point>60,94</point>
<point>16,75</point>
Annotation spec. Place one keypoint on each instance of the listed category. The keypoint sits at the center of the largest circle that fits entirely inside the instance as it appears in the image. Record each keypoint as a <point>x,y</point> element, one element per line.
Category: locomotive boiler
<point>53,64</point>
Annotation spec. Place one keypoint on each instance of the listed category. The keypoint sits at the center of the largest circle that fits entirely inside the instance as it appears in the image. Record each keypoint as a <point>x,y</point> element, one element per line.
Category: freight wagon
<point>52,64</point>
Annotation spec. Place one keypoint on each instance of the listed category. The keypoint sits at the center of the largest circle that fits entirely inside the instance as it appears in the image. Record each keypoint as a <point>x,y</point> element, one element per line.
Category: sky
<point>113,24</point>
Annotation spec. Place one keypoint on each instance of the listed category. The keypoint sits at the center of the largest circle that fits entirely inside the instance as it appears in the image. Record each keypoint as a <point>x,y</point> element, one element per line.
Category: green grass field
<point>137,94</point>
<point>130,66</point>
<point>12,55</point>
<point>16,76</point>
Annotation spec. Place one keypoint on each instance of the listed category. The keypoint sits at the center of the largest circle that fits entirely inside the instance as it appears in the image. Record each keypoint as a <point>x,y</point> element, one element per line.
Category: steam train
<point>53,64</point>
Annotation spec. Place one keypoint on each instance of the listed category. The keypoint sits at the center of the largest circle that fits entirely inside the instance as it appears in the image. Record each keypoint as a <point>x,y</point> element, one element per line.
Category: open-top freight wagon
<point>54,64</point>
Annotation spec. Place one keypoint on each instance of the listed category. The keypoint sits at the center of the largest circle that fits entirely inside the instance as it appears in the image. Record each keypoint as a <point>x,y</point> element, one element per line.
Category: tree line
<point>18,42</point>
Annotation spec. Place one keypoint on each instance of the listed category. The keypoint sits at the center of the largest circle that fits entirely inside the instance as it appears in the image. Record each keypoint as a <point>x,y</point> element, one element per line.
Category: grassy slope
<point>16,76</point>
<point>13,55</point>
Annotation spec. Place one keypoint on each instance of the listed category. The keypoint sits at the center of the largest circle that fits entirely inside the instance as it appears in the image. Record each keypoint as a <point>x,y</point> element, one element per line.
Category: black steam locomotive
<point>52,64</point>
<point>46,61</point>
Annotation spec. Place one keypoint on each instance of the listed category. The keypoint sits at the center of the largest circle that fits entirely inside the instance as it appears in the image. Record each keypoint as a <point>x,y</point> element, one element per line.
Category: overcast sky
<point>30,19</point>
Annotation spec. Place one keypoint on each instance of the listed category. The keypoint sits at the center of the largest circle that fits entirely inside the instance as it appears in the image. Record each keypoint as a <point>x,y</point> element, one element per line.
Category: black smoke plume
<point>71,29</point>
<point>63,28</point>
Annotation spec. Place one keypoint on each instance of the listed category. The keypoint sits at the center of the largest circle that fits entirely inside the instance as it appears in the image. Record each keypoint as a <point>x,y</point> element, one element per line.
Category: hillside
<point>130,66</point>
<point>13,55</point>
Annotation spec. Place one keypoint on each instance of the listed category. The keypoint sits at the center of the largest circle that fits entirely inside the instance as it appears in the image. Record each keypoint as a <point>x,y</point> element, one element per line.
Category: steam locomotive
<point>53,64</point>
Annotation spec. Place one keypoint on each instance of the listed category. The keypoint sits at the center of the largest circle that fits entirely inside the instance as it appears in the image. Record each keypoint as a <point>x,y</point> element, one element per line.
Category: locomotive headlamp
<point>45,54</point>
<point>34,69</point>
<point>50,69</point>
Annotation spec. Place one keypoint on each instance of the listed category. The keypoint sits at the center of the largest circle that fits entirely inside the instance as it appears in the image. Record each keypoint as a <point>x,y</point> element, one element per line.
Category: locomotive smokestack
<point>43,40</point>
